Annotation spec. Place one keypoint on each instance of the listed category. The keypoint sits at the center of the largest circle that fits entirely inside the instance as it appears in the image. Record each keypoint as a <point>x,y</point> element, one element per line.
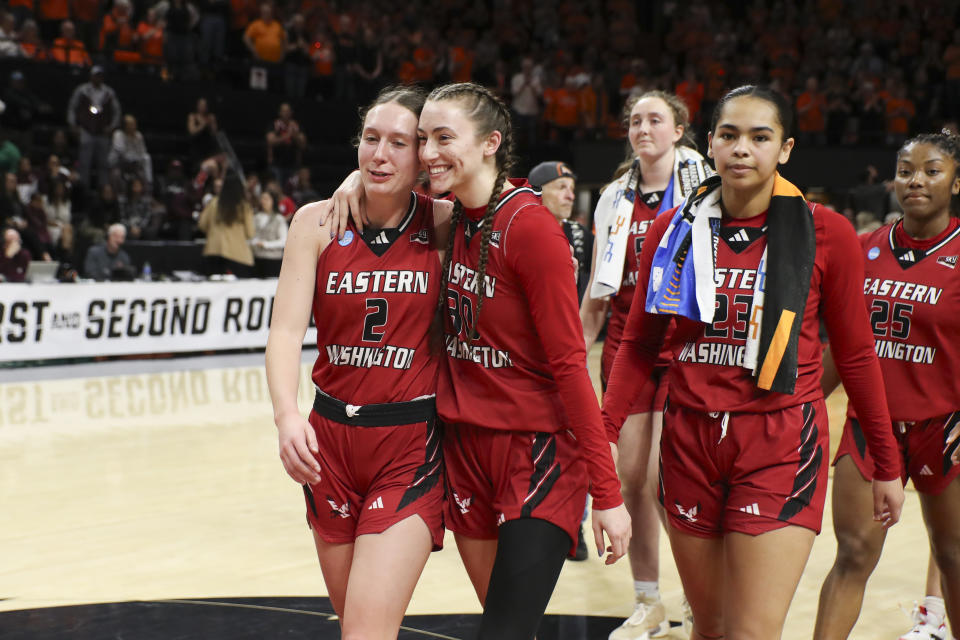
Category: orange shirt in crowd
<point>26,4</point>
<point>125,36</point>
<point>53,10</point>
<point>563,109</point>
<point>268,39</point>
<point>691,92</point>
<point>812,120</point>
<point>70,52</point>
<point>463,64</point>
<point>899,113</point>
<point>951,60</point>
<point>424,59</point>
<point>151,41</point>
<point>321,51</point>
<point>407,72</point>
<point>34,50</point>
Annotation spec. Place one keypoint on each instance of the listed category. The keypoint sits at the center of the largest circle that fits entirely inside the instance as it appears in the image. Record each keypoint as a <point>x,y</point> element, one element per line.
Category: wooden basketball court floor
<point>145,499</point>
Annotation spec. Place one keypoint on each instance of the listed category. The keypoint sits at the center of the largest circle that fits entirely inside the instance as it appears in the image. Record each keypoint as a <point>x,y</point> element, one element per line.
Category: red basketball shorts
<point>495,476</point>
<point>925,457</point>
<point>744,472</point>
<point>374,477</point>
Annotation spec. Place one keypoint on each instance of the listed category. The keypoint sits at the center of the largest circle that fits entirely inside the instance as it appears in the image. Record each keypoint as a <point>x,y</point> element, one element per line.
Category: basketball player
<point>912,294</point>
<point>523,436</point>
<point>369,457</point>
<point>748,268</point>
<point>662,168</point>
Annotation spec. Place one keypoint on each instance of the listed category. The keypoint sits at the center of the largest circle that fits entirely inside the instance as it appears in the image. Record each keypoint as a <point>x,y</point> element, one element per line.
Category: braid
<point>489,114</point>
<point>485,250</point>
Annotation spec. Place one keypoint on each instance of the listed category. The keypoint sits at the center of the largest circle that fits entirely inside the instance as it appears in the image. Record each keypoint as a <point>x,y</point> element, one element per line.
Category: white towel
<point>615,211</point>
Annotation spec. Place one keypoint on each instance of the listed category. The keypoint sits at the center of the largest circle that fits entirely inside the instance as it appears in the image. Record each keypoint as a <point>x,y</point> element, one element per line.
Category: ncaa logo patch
<point>874,253</point>
<point>949,262</point>
<point>346,239</point>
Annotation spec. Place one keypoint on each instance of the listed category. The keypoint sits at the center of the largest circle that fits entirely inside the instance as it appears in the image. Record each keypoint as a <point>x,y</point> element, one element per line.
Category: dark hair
<point>784,111</point>
<point>488,113</point>
<point>232,198</point>
<point>411,98</point>
<point>681,116</point>
<point>950,145</point>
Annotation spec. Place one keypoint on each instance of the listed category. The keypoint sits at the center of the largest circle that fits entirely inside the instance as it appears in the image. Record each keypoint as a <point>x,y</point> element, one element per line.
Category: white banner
<point>44,321</point>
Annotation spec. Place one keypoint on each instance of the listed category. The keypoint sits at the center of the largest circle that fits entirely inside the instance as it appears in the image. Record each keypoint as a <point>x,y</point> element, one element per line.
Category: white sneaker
<point>687,619</point>
<point>926,626</point>
<point>649,620</point>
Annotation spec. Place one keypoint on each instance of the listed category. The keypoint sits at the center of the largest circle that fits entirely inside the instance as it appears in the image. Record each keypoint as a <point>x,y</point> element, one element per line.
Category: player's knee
<point>857,554</point>
<point>946,551</point>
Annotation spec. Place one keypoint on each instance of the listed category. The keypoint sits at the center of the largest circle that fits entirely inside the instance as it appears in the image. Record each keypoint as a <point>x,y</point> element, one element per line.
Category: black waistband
<point>375,415</point>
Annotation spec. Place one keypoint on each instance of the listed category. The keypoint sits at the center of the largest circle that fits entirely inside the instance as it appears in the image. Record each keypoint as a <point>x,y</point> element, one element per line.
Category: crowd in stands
<point>859,72</point>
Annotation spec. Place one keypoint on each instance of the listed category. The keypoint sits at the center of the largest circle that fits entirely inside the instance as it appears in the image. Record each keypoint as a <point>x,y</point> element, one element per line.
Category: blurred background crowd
<point>136,113</point>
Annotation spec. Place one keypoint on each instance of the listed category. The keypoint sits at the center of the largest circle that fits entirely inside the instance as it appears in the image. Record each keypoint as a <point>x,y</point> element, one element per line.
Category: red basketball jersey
<point>643,217</point>
<point>527,370</point>
<point>912,292</point>
<point>373,312</point>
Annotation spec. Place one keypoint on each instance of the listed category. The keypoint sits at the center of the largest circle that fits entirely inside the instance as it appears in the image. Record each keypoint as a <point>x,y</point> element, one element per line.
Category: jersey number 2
<point>376,319</point>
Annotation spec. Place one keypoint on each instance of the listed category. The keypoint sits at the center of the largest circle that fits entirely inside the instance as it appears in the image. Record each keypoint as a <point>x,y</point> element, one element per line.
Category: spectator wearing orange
<point>690,90</point>
<point>811,108</point>
<point>150,37</point>
<point>594,106</point>
<point>118,36</point>
<point>563,112</point>
<point>31,46</point>
<point>900,111</point>
<point>424,56</point>
<point>321,53</point>
<point>265,37</point>
<point>67,49</point>
<point>461,58</point>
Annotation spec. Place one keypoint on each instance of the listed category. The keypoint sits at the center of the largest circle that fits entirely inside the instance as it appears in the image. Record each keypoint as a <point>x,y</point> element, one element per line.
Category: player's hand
<point>345,203</point>
<point>298,444</point>
<point>887,501</point>
<point>952,446</point>
<point>616,524</point>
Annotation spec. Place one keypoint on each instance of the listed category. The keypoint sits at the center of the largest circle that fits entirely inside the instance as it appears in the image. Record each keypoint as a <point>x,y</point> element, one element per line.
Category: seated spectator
<point>300,188</point>
<point>869,201</point>
<point>265,37</point>
<point>31,46</point>
<point>228,222</point>
<point>285,143</point>
<point>269,239</point>
<point>140,212</point>
<point>11,209</point>
<point>202,129</point>
<point>128,157</point>
<point>60,146</point>
<point>102,211</point>
<point>55,172</point>
<point>177,196</point>
<point>281,201</point>
<point>59,212</point>
<point>108,260</point>
<point>27,182</point>
<point>150,37</point>
<point>67,49</point>
<point>118,36</point>
<point>37,232</point>
<point>8,36</point>
<point>15,258</point>
<point>9,153</point>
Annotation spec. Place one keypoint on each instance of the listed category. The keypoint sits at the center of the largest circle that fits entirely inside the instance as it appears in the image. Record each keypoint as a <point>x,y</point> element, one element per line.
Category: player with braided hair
<point>913,295</point>
<point>523,438</point>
